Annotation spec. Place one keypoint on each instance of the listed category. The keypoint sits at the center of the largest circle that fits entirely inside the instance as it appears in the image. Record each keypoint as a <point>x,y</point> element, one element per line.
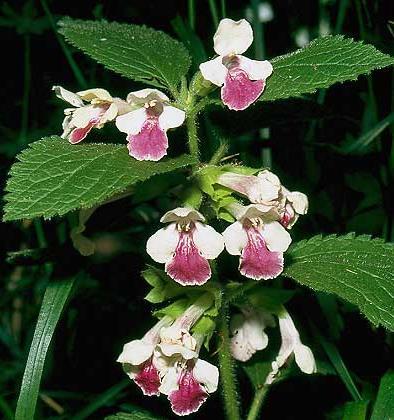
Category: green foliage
<point>55,297</point>
<point>384,405</point>
<point>54,177</point>
<point>134,414</point>
<point>138,52</point>
<point>257,372</point>
<point>357,269</point>
<point>356,410</point>
<point>320,64</point>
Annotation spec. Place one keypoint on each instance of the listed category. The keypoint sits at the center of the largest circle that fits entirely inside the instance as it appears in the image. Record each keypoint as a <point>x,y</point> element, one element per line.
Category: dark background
<point>346,192</point>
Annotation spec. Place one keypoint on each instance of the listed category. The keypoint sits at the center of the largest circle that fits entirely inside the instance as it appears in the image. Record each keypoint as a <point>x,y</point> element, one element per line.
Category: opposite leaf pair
<point>258,235</point>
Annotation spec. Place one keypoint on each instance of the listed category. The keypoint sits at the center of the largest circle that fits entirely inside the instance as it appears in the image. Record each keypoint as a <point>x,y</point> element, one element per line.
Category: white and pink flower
<point>188,383</point>
<point>259,239</point>
<point>140,362</point>
<point>186,379</point>
<point>92,109</point>
<point>185,245</point>
<point>265,188</point>
<point>247,332</point>
<point>296,205</point>
<point>242,79</point>
<point>291,344</point>
<point>147,124</point>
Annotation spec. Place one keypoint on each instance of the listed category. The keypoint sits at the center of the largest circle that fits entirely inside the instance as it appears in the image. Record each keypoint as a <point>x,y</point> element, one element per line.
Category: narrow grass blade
<point>101,400</point>
<point>55,297</point>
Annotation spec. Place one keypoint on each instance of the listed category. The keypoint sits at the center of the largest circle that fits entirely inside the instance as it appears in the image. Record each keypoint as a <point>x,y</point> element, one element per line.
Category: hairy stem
<point>226,367</point>
<point>257,402</point>
<point>191,125</point>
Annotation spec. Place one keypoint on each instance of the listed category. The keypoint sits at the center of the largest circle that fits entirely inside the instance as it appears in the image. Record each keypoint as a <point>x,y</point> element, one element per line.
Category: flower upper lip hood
<point>147,123</point>
<point>243,79</point>
<point>185,245</point>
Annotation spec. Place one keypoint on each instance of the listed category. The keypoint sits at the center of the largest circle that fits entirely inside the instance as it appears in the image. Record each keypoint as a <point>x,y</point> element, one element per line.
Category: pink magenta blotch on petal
<point>239,91</point>
<point>190,395</point>
<point>151,143</point>
<point>188,267</point>
<point>257,261</point>
<point>148,379</point>
<point>79,134</point>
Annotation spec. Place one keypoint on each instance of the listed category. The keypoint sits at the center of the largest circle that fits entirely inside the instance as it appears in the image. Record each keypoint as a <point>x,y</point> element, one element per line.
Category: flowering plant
<point>222,264</point>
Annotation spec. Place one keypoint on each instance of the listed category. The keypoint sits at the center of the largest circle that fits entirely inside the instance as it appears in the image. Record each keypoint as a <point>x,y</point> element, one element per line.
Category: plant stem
<point>26,90</point>
<point>192,14</point>
<point>74,66</point>
<point>257,402</point>
<point>214,12</point>
<point>191,125</point>
<point>226,367</point>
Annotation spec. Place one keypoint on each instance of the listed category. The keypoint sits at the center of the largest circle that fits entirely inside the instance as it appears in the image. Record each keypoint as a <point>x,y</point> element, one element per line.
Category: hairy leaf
<point>358,269</point>
<point>320,64</point>
<point>54,177</point>
<point>384,405</point>
<point>52,305</point>
<point>138,52</point>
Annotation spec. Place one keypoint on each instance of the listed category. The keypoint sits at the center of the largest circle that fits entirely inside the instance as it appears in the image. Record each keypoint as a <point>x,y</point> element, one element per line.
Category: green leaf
<point>320,64</point>
<point>339,365</point>
<point>103,399</point>
<point>54,177</point>
<point>360,146</point>
<point>355,410</point>
<point>257,372</point>
<point>137,52</point>
<point>384,405</point>
<point>357,269</point>
<point>134,414</point>
<point>55,297</point>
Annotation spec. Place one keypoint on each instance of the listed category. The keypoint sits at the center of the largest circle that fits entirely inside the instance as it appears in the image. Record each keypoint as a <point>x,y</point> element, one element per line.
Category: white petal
<point>169,382</point>
<point>267,212</point>
<point>182,213</point>
<point>257,70</point>
<point>299,201</point>
<point>82,116</point>
<point>254,332</point>
<point>207,375</point>
<point>162,244</point>
<point>173,349</point>
<point>144,93</point>
<point>232,37</point>
<point>110,114</point>
<point>136,352</point>
<point>67,126</point>
<point>276,237</point>
<point>289,335</point>
<point>304,358</point>
<point>240,348</point>
<point>90,94</point>
<point>132,122</point>
<point>209,242</point>
<point>171,117</point>
<point>214,71</point>
<point>235,238</point>
<point>68,96</point>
